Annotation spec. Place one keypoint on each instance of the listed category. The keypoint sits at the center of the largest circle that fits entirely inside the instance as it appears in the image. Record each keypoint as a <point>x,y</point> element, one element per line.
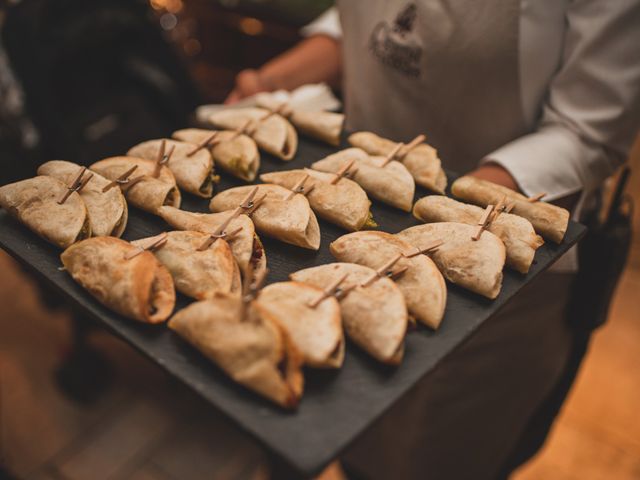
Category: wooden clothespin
<point>401,150</point>
<point>392,154</point>
<point>244,129</point>
<point>299,188</point>
<point>207,142</point>
<point>484,222</point>
<point>162,158</point>
<point>333,290</point>
<point>410,146</point>
<point>344,171</point>
<point>252,286</point>
<point>249,204</point>
<point>154,243</point>
<point>429,248</point>
<point>220,231</point>
<point>78,184</point>
<point>385,271</point>
<point>123,179</point>
<point>537,197</point>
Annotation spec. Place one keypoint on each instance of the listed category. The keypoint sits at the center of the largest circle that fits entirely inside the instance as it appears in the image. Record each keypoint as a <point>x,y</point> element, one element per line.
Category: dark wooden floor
<point>147,427</point>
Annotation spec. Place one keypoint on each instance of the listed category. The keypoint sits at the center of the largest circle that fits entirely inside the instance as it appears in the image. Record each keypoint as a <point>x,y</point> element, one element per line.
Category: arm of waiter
<point>592,111</point>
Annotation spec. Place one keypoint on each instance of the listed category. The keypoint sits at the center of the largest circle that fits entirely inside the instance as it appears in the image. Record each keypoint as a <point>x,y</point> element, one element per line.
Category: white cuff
<point>553,160</point>
<point>326,24</point>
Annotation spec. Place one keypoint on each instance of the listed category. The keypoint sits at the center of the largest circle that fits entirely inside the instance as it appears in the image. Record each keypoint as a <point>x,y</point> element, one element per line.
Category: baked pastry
<point>197,272</point>
<point>132,283</point>
<point>374,314</point>
<point>35,203</point>
<point>422,284</point>
<point>390,182</point>
<point>517,233</point>
<point>141,188</point>
<point>550,221</point>
<point>191,167</point>
<point>234,153</point>
<point>248,345</point>
<point>421,160</point>
<point>281,215</point>
<point>107,211</point>
<point>473,264</point>
<point>338,200</point>
<point>316,331</point>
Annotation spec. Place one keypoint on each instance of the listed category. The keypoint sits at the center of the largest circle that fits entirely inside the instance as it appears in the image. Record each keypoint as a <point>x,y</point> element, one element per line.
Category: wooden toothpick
<point>392,154</point>
<point>154,243</point>
<point>333,290</point>
<point>299,188</point>
<point>537,197</point>
<point>410,146</point>
<point>162,158</point>
<point>385,271</point>
<point>121,180</point>
<point>344,171</point>
<point>430,247</point>
<point>207,142</point>
<point>78,184</point>
<point>252,286</point>
<point>484,222</point>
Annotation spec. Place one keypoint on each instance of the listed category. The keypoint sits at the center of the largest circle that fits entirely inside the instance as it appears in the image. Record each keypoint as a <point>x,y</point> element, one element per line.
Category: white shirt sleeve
<point>326,24</point>
<point>592,112</point>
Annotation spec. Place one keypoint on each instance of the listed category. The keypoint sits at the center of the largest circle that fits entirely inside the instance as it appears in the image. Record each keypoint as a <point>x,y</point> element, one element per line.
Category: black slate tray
<point>337,406</point>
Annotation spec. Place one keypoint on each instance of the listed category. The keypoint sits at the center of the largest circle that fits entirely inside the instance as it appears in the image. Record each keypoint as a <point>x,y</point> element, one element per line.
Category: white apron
<point>445,68</point>
<point>449,69</point>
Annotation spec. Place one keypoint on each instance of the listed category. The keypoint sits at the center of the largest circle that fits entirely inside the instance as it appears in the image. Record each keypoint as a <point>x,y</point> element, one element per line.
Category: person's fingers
<point>248,83</point>
<point>233,97</point>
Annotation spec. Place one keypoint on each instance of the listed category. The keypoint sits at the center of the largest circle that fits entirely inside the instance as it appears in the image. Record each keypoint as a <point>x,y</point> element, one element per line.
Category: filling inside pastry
<point>171,197</point>
<point>256,253</point>
<point>370,222</point>
<point>85,231</point>
<point>207,186</point>
<point>115,232</point>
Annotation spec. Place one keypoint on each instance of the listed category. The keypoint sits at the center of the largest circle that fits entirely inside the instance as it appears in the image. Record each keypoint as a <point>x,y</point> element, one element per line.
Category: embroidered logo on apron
<point>395,46</point>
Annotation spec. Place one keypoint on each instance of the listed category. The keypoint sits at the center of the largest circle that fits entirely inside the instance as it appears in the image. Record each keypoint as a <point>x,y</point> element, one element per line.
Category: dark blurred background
<point>81,80</point>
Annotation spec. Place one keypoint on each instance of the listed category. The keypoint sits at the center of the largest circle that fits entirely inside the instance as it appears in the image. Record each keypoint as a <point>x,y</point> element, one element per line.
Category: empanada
<point>149,193</point>
<point>233,153</point>
<point>422,161</point>
<point>374,316</point>
<point>248,345</point>
<point>138,287</point>
<point>473,264</point>
<point>197,273</point>
<point>550,221</point>
<point>245,244</point>
<point>517,233</point>
<point>290,220</point>
<point>391,184</point>
<point>422,284</point>
<point>272,132</point>
<point>108,211</point>
<point>34,202</point>
<point>193,173</point>
<point>344,203</point>
<point>315,332</point>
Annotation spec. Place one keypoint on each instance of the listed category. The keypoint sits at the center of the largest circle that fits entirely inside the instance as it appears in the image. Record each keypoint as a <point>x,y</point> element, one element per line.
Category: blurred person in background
<point>538,96</point>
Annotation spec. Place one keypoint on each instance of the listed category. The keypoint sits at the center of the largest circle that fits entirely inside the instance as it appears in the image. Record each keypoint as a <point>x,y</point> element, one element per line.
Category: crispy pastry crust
<point>139,288</point>
<point>247,345</point>
<point>422,284</point>
<point>517,233</point>
<point>375,317</point>
<point>34,202</point>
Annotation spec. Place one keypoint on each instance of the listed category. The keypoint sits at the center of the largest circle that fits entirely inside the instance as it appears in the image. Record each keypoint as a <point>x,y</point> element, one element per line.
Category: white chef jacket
<point>579,66</point>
